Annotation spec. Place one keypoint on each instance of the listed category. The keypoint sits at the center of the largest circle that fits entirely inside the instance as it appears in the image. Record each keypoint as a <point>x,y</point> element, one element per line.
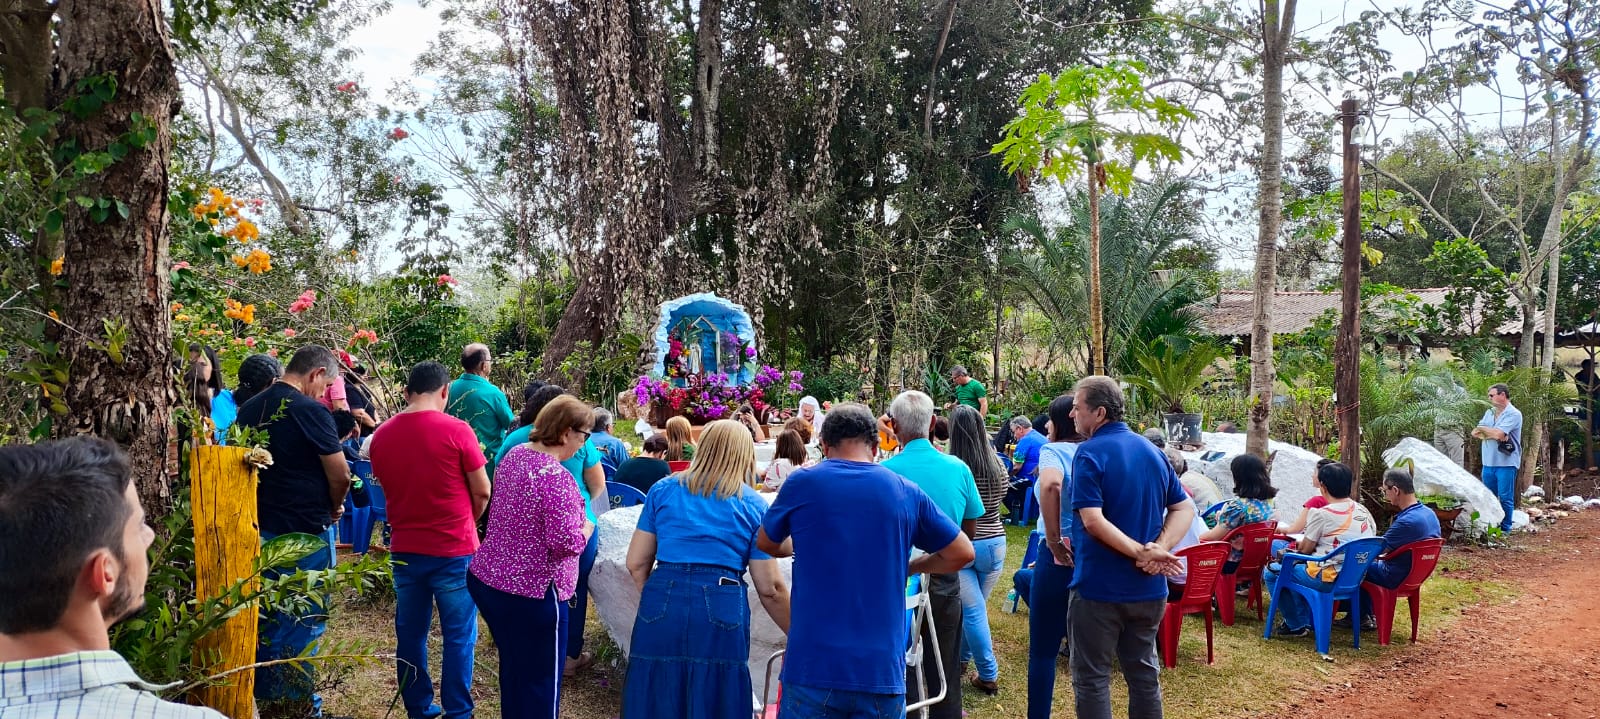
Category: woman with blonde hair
<point>691,638</point>
<point>680,441</point>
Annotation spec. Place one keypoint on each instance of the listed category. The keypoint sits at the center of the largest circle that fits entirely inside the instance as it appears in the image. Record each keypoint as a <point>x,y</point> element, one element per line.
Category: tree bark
<point>25,52</point>
<point>1097,325</point>
<point>708,88</point>
<point>1277,27</point>
<point>120,380</point>
<point>1347,350</point>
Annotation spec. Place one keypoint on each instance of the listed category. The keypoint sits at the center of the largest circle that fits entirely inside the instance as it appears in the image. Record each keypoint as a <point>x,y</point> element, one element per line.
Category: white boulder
<point>1292,470</point>
<point>616,598</point>
<point>1437,474</point>
<point>1533,490</point>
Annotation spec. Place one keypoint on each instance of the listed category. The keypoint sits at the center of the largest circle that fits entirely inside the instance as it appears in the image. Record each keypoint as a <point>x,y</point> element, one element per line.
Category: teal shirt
<point>586,457</point>
<point>946,479</point>
<point>476,401</point>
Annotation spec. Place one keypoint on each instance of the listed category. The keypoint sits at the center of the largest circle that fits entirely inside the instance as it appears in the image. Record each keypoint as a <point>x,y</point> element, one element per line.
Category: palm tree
<point>1051,267</point>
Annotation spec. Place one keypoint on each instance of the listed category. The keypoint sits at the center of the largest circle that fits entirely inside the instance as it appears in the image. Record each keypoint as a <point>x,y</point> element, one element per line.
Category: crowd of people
<point>494,512</point>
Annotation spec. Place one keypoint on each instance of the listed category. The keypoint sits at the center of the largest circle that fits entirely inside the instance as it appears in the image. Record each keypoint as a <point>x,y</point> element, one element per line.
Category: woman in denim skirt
<point>691,639</point>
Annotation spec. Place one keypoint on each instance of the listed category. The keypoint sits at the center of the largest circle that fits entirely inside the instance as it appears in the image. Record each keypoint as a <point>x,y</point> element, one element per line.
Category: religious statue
<point>694,358</point>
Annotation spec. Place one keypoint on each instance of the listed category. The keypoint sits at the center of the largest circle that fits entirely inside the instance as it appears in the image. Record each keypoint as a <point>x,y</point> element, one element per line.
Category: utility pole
<point>1347,350</point>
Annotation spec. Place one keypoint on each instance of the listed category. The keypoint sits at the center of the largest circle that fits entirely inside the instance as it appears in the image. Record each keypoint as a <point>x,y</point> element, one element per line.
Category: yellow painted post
<point>227,541</point>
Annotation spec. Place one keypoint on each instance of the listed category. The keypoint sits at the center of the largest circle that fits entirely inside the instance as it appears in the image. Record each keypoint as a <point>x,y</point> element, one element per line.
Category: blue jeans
<point>690,652</point>
<point>1503,482</point>
<point>977,578</point>
<point>286,635</point>
<point>578,608</point>
<point>1294,609</point>
<point>1048,599</point>
<point>421,581</point>
<point>801,702</point>
<point>529,635</point>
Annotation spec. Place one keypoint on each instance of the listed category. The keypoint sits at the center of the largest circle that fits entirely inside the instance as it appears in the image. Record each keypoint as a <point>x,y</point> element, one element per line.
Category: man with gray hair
<point>1121,488</point>
<point>476,401</point>
<point>612,451</point>
<point>949,482</point>
<point>1026,445</point>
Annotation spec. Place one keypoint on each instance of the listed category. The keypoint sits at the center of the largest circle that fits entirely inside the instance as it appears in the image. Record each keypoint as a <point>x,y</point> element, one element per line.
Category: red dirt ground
<point>1536,656</point>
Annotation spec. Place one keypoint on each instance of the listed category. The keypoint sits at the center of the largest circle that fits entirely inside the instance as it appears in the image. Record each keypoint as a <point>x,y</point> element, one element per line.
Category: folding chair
<point>918,607</point>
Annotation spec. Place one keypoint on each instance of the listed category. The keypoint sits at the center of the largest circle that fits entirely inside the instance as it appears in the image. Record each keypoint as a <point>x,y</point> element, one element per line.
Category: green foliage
<point>607,370</point>
<point>1413,401</point>
<point>836,385</point>
<point>1478,301</point>
<point>1171,371</point>
<point>160,642</point>
<point>1076,120</point>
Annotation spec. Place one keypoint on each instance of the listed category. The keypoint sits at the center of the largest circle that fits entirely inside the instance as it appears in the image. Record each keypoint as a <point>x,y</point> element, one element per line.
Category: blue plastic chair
<point>1346,587</point>
<point>1035,545</point>
<point>375,512</point>
<point>1030,505</point>
<point>623,495</point>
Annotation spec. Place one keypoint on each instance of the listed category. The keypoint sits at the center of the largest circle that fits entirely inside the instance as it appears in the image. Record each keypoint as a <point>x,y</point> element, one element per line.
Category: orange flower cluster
<point>258,261</point>
<point>242,312</point>
<point>218,206</point>
<point>57,265</point>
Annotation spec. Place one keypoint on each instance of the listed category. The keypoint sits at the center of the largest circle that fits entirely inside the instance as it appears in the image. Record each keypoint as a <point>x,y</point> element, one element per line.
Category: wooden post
<point>1347,350</point>
<point>227,543</point>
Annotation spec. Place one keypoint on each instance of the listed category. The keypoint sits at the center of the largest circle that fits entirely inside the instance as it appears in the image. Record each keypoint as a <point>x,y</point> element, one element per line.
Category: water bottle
<point>1011,601</point>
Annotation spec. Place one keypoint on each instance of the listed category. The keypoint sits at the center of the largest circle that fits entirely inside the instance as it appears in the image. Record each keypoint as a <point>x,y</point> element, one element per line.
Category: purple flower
<point>750,352</point>
<point>795,387</point>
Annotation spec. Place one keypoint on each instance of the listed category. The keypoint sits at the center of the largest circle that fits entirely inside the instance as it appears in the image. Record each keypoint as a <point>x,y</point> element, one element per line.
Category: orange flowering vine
<point>258,261</point>
<point>237,311</point>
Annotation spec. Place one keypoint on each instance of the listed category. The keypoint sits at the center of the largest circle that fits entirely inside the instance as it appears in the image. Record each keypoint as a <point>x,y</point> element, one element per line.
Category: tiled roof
<point>1230,313</point>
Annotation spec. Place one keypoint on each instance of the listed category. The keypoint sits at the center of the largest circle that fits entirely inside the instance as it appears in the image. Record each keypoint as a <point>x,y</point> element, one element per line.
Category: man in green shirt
<point>476,401</point>
<point>969,391</point>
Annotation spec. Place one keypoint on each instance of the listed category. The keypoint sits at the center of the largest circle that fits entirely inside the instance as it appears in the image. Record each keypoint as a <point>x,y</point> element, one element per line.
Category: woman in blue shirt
<point>690,651</point>
<point>1052,571</point>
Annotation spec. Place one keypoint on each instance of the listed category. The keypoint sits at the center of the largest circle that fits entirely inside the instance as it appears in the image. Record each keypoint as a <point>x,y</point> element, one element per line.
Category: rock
<point>1558,514</point>
<point>1437,474</point>
<point>628,408</point>
<point>1519,521</point>
<point>616,598</point>
<point>1533,490</point>
<point>1593,502</point>
<point>1292,470</point>
<point>1535,512</point>
<point>1572,501</point>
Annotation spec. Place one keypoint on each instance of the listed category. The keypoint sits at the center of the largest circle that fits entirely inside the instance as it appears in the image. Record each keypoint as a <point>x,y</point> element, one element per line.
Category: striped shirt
<point>88,685</point>
<point>992,490</point>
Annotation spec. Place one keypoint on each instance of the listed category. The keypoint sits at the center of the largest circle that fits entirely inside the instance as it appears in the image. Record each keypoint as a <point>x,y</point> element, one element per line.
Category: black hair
<point>1250,478</point>
<point>344,422</point>
<point>533,388</point>
<point>1337,478</point>
<point>473,357</point>
<point>656,443</point>
<point>311,358</point>
<point>215,383</point>
<point>1041,424</point>
<point>1060,412</point>
<point>427,377</point>
<point>256,374</point>
<point>197,391</point>
<point>1400,479</point>
<point>941,428</point>
<point>849,422</point>
<point>969,442</point>
<point>541,397</point>
<point>59,503</point>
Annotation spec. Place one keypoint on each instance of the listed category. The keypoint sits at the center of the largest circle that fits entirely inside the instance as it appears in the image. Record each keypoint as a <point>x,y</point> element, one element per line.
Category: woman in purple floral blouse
<point>527,568</point>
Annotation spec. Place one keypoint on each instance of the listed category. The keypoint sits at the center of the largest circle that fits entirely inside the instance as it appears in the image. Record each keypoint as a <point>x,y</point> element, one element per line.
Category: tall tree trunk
<point>1277,27</point>
<point>589,319</point>
<point>25,52</point>
<point>1097,323</point>
<point>120,383</point>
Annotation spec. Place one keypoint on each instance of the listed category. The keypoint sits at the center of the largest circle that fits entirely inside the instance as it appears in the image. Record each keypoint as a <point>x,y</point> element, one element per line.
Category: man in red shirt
<point>432,471</point>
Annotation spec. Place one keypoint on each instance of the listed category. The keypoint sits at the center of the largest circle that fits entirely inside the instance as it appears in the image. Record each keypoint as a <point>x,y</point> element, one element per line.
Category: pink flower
<point>289,332</point>
<point>304,302</point>
<point>398,134</point>
<point>250,342</point>
<point>181,266</point>
<point>346,87</point>
<point>272,352</point>
<point>446,280</point>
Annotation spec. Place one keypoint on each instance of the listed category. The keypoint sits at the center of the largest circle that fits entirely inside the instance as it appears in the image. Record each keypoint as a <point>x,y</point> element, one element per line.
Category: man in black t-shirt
<point>303,491</point>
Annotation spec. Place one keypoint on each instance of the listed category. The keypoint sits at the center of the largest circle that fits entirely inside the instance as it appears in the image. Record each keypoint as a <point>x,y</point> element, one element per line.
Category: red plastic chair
<point>1257,552</point>
<point>1424,557</point>
<point>1205,562</point>
<point>676,467</point>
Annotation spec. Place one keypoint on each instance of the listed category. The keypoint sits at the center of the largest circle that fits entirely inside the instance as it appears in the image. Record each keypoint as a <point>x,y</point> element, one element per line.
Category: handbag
<point>1507,446</point>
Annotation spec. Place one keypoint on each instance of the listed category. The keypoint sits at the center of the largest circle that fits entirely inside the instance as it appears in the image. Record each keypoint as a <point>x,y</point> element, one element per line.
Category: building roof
<point>1230,313</point>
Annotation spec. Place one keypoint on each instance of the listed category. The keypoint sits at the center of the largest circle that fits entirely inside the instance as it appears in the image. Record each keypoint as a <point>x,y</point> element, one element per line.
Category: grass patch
<point>1250,673</point>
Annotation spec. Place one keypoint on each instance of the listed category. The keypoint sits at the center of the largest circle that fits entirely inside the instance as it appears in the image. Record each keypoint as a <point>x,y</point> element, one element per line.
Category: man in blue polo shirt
<point>1502,422</point>
<point>1414,523</point>
<point>853,523</point>
<point>1121,488</point>
<point>948,481</point>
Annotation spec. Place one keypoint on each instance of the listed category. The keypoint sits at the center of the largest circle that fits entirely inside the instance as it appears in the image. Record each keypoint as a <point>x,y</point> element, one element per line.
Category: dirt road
<point>1536,656</point>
